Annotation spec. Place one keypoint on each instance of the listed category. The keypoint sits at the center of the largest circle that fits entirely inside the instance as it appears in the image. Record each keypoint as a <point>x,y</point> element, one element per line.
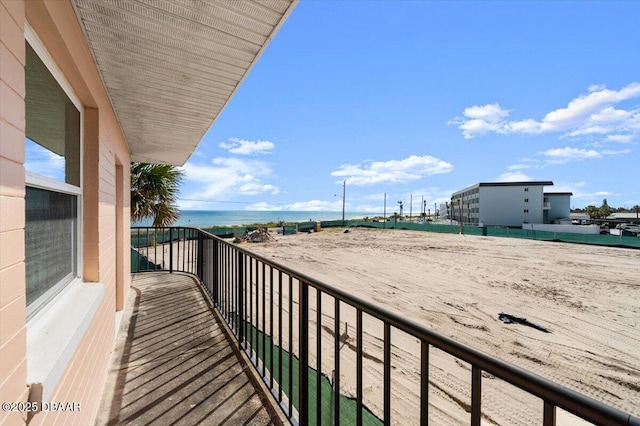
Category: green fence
<point>347,405</point>
<point>495,231</point>
<point>141,263</point>
<point>147,237</point>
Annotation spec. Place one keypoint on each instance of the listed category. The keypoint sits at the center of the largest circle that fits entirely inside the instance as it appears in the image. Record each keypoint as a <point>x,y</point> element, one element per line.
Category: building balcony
<point>176,363</point>
<point>546,205</point>
<point>225,336</point>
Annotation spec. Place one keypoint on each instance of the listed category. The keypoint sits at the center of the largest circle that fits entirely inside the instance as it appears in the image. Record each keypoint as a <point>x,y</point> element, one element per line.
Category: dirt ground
<point>587,296</point>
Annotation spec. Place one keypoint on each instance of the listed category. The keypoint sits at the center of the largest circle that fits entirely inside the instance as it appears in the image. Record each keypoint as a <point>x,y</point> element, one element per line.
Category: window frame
<point>34,180</point>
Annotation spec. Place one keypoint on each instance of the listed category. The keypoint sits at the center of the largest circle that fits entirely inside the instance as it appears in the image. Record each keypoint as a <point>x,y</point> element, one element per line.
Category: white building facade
<point>557,207</point>
<point>501,203</point>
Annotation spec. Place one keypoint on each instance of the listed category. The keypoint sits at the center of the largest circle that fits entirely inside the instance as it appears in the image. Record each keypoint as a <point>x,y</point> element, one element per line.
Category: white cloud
<point>393,171</point>
<point>588,114</point>
<point>244,147</point>
<point>567,154</point>
<point>308,206</point>
<point>514,177</point>
<point>564,155</point>
<point>620,138</point>
<point>518,167</point>
<point>490,113</point>
<point>225,178</point>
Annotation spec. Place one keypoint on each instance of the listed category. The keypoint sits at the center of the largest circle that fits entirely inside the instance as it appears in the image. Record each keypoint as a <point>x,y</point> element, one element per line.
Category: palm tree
<point>154,191</point>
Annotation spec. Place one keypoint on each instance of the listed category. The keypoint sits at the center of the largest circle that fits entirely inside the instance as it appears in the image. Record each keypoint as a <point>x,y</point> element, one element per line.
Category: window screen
<point>50,244</point>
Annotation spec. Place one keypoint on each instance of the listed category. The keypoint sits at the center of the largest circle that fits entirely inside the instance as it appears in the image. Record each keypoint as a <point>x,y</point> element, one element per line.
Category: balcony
<point>308,343</point>
<point>546,205</point>
<point>175,362</point>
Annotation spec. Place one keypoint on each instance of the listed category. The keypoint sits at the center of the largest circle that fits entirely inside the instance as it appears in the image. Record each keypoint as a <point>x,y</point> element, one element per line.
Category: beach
<point>457,285</point>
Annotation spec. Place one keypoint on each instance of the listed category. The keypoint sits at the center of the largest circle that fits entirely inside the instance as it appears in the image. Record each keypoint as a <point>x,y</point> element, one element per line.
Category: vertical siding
<point>13,367</point>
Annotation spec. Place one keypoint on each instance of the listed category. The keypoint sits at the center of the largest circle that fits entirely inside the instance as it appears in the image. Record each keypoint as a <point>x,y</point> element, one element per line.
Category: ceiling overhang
<point>171,66</point>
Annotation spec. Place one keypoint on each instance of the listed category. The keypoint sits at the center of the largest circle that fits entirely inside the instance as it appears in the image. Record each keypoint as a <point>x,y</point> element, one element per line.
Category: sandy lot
<point>589,297</point>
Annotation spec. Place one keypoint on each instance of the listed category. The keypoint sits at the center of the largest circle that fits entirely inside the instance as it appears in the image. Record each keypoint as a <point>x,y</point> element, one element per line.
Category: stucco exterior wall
<point>105,209</point>
<point>560,206</point>
<point>506,205</point>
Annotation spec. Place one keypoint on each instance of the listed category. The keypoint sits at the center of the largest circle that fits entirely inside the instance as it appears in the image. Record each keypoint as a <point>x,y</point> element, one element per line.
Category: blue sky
<point>426,98</point>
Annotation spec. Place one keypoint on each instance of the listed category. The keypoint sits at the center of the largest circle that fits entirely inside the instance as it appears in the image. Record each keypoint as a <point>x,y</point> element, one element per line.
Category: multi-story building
<point>508,204</point>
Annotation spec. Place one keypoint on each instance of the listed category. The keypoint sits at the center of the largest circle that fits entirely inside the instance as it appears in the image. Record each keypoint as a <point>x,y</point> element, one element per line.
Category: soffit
<point>171,66</point>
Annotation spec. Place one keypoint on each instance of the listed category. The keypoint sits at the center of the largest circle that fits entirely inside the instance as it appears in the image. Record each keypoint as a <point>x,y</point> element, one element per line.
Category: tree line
<point>605,210</point>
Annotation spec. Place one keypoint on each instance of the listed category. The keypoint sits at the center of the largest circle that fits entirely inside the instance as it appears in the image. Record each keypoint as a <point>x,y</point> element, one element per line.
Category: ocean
<point>207,218</point>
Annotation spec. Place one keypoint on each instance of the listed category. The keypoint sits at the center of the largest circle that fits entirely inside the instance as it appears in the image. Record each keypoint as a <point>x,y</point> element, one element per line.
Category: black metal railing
<point>256,297</point>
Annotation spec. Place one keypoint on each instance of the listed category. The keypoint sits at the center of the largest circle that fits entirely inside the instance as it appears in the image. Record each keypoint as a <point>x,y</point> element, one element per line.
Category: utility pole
<point>410,206</point>
<point>384,214</point>
<point>344,194</point>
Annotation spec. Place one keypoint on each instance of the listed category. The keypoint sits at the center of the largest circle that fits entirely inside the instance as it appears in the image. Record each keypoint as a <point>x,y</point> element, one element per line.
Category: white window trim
<point>55,332</point>
<point>38,181</point>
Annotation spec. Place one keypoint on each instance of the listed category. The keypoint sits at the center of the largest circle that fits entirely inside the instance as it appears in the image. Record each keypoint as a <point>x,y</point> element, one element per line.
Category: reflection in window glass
<point>41,161</point>
<point>52,125</point>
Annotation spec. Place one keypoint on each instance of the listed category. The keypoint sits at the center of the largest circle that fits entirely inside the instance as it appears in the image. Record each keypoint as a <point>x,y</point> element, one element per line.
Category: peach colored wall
<point>56,25</point>
<point>13,342</point>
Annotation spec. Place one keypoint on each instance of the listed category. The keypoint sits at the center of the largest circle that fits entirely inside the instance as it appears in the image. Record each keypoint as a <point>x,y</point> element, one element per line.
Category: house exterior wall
<point>560,206</point>
<point>13,333</point>
<point>105,209</point>
<point>510,205</point>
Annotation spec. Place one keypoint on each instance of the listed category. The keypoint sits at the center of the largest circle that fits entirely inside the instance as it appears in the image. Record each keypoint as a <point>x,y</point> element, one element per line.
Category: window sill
<point>54,334</point>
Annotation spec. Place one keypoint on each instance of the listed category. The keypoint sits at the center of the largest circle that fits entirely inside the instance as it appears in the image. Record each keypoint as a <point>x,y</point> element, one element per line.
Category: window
<point>526,190</point>
<point>526,210</point>
<point>526,200</point>
<point>52,160</point>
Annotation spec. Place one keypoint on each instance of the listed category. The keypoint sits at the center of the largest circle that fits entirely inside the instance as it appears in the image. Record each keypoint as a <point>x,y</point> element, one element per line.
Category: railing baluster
<point>387,374</point>
<point>359,367</point>
<point>318,357</point>
<point>170,250</point>
<point>424,383</point>
<point>476,395</point>
<point>264,316</point>
<point>250,340</point>
<point>549,417</point>
<point>239,309</point>
<point>303,353</point>
<point>290,346</point>
<point>271,325</point>
<point>280,336</point>
<point>217,262</point>
<point>336,364</point>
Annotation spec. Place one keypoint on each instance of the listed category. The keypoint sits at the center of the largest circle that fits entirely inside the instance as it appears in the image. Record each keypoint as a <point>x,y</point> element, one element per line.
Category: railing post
<point>476,395</point>
<point>387,374</point>
<point>424,383</point>
<point>303,370</point>
<point>549,418</point>
<point>170,250</point>
<point>240,297</point>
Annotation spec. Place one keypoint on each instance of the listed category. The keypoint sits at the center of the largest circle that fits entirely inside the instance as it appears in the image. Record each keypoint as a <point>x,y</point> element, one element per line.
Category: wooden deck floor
<point>174,363</point>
